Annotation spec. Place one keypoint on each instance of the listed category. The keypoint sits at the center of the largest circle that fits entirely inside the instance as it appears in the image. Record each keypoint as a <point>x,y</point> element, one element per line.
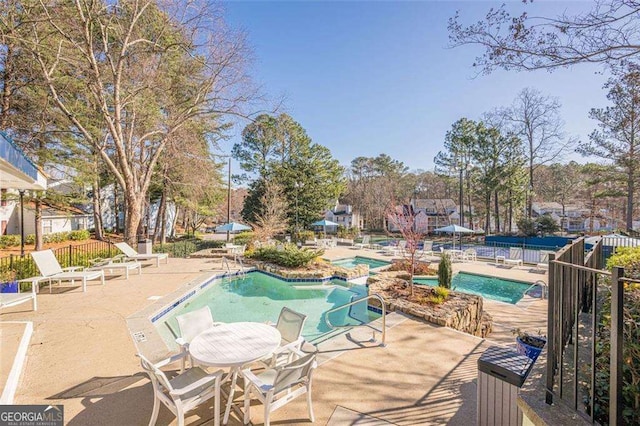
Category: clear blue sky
<point>365,78</point>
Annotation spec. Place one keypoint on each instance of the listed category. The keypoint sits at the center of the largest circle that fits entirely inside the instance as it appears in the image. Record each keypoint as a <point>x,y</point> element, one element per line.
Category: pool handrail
<point>363,299</point>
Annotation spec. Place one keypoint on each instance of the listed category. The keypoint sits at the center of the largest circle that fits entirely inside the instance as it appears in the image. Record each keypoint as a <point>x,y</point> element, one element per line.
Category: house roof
<point>550,205</point>
<point>17,171</point>
<point>437,204</point>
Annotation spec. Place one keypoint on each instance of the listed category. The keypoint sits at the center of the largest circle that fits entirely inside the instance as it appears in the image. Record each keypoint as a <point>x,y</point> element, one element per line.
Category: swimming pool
<point>259,297</point>
<point>489,287</point>
<point>352,262</point>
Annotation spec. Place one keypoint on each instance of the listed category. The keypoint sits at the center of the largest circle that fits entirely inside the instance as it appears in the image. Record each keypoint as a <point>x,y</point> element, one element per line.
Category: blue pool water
<point>352,262</point>
<point>489,287</point>
<point>259,297</point>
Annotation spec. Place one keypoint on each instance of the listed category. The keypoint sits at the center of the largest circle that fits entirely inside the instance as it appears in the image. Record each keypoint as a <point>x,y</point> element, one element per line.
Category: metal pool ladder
<point>364,299</point>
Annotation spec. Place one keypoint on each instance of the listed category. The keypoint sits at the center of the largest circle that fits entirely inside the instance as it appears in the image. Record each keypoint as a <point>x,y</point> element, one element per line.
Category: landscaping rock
<point>460,311</point>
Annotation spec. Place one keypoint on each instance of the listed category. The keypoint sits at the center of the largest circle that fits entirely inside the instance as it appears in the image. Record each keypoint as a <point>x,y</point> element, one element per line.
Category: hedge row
<point>56,237</point>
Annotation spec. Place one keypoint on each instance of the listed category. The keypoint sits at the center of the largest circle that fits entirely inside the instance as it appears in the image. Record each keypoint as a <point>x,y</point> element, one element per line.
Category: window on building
<point>47,226</point>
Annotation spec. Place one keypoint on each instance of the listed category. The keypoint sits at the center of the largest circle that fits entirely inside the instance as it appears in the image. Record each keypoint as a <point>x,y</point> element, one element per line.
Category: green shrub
<point>344,232</point>
<point>289,256</point>
<point>30,239</point>
<point>243,238</point>
<point>444,271</point>
<point>305,236</point>
<point>56,237</point>
<point>629,259</point>
<point>9,240</point>
<point>79,235</point>
<point>184,247</point>
<point>439,296</point>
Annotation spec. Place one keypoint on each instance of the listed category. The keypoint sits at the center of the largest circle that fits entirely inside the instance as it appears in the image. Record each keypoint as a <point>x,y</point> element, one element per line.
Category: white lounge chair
<point>365,243</point>
<point>184,392</point>
<point>276,387</point>
<point>290,324</point>
<point>132,254</point>
<point>12,299</point>
<point>515,257</point>
<point>427,248</point>
<point>116,263</point>
<point>191,324</point>
<point>50,268</point>
<point>395,250</point>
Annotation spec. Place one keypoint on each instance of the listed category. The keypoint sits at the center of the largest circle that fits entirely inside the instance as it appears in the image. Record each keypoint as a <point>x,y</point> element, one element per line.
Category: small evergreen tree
<point>444,272</point>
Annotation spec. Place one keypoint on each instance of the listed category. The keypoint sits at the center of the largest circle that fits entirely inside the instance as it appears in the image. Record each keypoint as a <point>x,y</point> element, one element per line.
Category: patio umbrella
<point>324,223</point>
<point>454,229</point>
<point>232,227</point>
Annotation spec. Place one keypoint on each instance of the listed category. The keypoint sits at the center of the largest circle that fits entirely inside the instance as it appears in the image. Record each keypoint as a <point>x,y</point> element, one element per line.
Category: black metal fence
<point>71,255</point>
<point>585,334</point>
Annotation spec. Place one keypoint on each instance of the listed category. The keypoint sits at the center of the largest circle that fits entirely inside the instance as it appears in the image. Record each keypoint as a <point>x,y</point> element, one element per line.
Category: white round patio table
<point>234,345</point>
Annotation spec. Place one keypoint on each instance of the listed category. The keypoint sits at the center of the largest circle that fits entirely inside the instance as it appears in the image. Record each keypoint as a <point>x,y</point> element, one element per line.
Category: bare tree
<point>535,118</point>
<point>272,219</point>
<point>140,71</point>
<point>607,33</point>
<point>404,217</point>
<point>618,136</point>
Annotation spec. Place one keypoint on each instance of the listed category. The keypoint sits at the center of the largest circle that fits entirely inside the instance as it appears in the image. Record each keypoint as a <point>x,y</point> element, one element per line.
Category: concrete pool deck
<point>82,356</point>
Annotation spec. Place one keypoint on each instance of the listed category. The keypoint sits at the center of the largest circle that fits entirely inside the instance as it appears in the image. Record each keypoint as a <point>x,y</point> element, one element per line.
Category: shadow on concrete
<point>451,401</point>
<point>124,400</point>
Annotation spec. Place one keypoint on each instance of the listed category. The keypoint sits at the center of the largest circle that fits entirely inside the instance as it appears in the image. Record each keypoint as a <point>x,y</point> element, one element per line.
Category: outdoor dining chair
<point>132,254</point>
<point>50,268</point>
<point>277,386</point>
<point>470,254</point>
<point>183,392</point>
<point>515,256</point>
<point>191,324</point>
<point>290,324</point>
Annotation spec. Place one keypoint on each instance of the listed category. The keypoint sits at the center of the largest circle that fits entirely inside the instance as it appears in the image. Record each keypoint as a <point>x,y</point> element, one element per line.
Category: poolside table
<point>233,345</point>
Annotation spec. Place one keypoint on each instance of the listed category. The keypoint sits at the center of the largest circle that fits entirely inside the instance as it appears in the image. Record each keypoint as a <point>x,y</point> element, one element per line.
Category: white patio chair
<point>290,324</point>
<point>185,391</point>
<point>50,268</point>
<point>132,254</point>
<point>427,248</point>
<point>276,387</point>
<point>191,324</point>
<point>515,256</point>
<point>365,243</point>
<point>543,264</point>
<point>470,254</point>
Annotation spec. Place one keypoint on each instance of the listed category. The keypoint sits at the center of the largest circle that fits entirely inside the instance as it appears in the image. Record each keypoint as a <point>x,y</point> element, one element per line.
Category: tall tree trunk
<point>97,209</point>
<point>510,212</point>
<point>158,229</point>
<point>174,222</point>
<point>6,88</point>
<point>38,224</point>
<point>497,210</point>
<point>115,208</point>
<point>163,223</point>
<point>630,189</point>
<point>530,189</point>
<point>469,199</point>
<point>97,202</point>
<point>133,217</point>
<point>487,206</point>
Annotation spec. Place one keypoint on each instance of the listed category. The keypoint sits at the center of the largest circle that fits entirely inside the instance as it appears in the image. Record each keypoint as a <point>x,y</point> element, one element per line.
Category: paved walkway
<point>82,356</point>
